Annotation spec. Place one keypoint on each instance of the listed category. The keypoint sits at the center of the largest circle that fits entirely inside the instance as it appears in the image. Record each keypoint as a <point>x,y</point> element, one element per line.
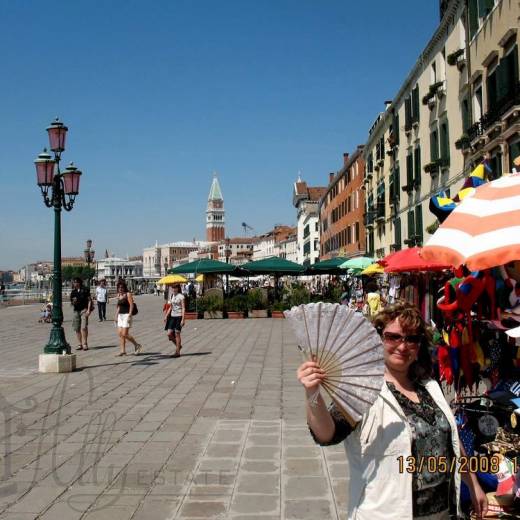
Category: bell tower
<point>215,214</point>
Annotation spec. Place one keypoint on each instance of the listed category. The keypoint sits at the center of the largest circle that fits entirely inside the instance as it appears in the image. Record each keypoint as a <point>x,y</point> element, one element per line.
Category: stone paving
<point>217,433</point>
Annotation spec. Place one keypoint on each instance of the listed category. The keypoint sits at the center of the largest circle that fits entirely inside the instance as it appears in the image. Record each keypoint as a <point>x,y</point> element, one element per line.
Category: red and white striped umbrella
<point>483,231</point>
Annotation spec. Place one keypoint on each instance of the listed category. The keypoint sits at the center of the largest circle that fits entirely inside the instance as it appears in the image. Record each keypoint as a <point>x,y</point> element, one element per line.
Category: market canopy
<point>274,265</point>
<point>330,266</point>
<point>360,262</point>
<point>172,278</point>
<point>373,269</point>
<point>410,259</point>
<point>483,231</point>
<point>203,266</point>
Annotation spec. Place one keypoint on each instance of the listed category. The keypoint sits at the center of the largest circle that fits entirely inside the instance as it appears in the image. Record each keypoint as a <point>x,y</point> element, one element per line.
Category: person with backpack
<point>125,309</point>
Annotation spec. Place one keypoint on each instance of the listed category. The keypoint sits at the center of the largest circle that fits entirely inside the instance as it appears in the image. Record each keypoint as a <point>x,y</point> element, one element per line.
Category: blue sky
<point>158,95</point>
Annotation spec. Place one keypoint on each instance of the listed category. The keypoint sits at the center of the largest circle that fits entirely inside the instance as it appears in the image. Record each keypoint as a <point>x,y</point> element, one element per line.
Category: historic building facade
<point>240,250</point>
<point>215,214</point>
<point>492,99</point>
<point>410,153</point>
<point>113,268</point>
<point>341,210</point>
<point>159,258</point>
<point>306,201</point>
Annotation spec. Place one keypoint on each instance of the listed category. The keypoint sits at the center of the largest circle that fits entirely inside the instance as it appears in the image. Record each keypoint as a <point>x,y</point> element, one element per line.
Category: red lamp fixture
<point>71,177</point>
<point>45,165</point>
<point>57,134</point>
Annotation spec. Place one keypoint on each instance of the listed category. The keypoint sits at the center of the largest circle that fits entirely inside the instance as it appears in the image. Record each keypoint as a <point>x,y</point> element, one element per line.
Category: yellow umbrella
<point>172,278</point>
<point>374,269</point>
<point>199,278</point>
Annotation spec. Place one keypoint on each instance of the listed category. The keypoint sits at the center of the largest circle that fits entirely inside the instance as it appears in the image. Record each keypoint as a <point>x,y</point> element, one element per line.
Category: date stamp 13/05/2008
<point>449,465</point>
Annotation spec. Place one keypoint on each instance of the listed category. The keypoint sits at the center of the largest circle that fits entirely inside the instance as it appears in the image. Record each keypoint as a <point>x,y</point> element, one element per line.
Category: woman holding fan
<point>409,423</point>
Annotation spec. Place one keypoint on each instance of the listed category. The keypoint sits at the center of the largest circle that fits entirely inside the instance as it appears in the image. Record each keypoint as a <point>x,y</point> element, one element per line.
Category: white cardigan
<point>378,491</point>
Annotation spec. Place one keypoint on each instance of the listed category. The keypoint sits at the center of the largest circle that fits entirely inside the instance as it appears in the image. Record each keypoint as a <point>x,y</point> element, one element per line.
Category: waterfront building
<point>266,245</point>
<point>113,268</point>
<point>492,100</point>
<point>411,153</point>
<point>288,247</point>
<point>159,258</point>
<point>306,201</point>
<point>341,210</point>
<point>240,250</point>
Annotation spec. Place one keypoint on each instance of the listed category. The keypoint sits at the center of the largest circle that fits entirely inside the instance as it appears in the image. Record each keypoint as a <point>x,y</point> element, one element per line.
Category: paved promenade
<point>217,433</point>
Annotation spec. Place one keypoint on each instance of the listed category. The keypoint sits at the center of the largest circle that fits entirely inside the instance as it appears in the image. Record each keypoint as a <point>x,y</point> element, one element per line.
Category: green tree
<point>66,273</point>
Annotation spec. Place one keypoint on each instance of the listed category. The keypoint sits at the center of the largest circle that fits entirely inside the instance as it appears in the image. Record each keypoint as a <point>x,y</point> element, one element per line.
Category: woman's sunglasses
<point>394,339</point>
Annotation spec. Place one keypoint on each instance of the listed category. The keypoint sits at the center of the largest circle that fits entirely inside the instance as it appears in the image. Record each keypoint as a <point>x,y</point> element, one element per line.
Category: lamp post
<point>89,258</point>
<point>228,255</point>
<point>59,190</point>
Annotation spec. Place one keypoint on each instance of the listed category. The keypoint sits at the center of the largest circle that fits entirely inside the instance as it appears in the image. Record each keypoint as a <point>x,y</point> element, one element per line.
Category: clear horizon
<point>159,96</point>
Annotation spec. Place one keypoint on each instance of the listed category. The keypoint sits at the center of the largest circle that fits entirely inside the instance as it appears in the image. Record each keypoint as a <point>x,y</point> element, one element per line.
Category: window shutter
<point>397,183</point>
<point>492,94</point>
<point>445,143</point>
<point>434,155</point>
<point>503,78</point>
<point>411,226</point>
<point>417,153</point>
<point>515,75</point>
<point>473,17</point>
<point>466,123</point>
<point>397,230</point>
<point>408,113</point>
<point>418,225</point>
<point>485,7</point>
<point>409,170</point>
<point>415,104</point>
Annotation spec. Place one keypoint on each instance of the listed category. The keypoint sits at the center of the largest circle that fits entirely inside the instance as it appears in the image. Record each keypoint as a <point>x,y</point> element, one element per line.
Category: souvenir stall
<point>477,337</point>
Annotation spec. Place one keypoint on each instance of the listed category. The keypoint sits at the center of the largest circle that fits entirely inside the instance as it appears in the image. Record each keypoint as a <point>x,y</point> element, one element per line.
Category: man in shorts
<point>82,307</point>
<point>174,318</point>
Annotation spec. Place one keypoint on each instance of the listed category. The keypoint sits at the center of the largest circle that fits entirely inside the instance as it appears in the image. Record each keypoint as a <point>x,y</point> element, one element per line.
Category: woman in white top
<point>174,319</point>
<point>123,318</point>
<point>409,423</point>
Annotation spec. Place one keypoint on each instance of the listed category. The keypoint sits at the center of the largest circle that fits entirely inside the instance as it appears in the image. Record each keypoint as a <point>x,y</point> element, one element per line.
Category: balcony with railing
<point>495,113</point>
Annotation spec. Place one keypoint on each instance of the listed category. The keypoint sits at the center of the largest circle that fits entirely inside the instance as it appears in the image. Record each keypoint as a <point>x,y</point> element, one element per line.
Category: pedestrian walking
<point>410,419</point>
<point>174,318</point>
<point>102,299</point>
<point>82,308</point>
<point>373,300</point>
<point>123,319</point>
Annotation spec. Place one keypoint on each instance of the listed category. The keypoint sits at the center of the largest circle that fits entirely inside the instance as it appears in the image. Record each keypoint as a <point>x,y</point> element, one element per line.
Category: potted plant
<point>256,304</point>
<point>212,307</point>
<point>236,307</point>
<point>299,295</point>
<point>277,310</point>
<point>190,312</point>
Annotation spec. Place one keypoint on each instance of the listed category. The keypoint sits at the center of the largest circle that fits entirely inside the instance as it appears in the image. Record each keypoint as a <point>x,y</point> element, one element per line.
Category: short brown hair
<point>410,320</point>
<point>122,283</point>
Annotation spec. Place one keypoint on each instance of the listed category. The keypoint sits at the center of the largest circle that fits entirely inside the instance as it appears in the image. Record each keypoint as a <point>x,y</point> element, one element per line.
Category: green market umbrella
<point>204,266</point>
<point>360,262</point>
<point>330,266</point>
<point>274,265</point>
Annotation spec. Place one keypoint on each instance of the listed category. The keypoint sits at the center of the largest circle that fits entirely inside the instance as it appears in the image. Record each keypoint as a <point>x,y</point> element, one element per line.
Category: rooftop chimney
<point>345,158</point>
<point>331,177</point>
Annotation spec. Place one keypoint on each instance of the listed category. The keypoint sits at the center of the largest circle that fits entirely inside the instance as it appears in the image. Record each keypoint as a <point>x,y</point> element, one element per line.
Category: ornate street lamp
<point>59,191</point>
<point>89,258</point>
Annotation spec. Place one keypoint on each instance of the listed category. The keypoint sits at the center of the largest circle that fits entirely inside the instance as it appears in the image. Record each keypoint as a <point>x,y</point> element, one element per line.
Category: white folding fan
<point>347,347</point>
